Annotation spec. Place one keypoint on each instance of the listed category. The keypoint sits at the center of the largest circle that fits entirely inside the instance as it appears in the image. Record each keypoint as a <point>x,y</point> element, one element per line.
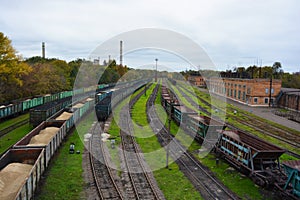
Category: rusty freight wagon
<point>290,185</point>
<point>48,135</point>
<point>252,155</point>
<point>20,172</point>
<point>201,125</point>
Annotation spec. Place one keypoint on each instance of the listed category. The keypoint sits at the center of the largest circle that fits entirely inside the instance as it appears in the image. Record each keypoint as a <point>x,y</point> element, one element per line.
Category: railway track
<point>287,137</point>
<point>142,183</point>
<point>204,182</point>
<point>13,127</point>
<point>105,183</point>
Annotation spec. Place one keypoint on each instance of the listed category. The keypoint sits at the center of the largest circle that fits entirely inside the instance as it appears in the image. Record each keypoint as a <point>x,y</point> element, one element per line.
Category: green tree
<point>276,70</point>
<point>12,69</point>
<point>74,65</point>
<point>291,80</point>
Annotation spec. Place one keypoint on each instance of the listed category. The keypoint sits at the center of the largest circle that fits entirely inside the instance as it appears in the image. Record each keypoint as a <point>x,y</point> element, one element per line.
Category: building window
<point>248,90</point>
<point>244,96</point>
<point>234,93</point>
<point>239,95</point>
<point>266,100</point>
<point>272,91</point>
<point>267,90</point>
<point>255,100</point>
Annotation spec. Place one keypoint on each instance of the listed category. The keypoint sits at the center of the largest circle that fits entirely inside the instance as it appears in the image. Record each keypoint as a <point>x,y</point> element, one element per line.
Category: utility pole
<point>270,92</point>
<point>156,69</point>
<point>169,129</point>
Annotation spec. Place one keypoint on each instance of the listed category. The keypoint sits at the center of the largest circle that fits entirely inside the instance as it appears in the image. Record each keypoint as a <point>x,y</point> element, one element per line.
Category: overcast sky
<point>232,32</point>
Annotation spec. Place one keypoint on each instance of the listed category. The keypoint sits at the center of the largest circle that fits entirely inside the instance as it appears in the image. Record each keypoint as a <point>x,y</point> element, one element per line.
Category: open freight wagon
<point>20,172</point>
<point>251,155</point>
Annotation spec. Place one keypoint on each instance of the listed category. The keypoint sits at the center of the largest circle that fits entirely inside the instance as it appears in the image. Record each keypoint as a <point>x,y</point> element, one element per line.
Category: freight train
<point>108,99</point>
<point>24,163</point>
<point>17,107</point>
<point>251,155</point>
<point>22,166</point>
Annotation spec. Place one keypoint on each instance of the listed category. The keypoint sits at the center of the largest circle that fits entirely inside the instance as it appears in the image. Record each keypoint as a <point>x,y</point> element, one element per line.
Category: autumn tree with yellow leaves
<point>12,69</point>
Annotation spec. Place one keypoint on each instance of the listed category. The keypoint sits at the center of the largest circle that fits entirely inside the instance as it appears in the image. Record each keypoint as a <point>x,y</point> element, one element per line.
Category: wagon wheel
<point>257,180</point>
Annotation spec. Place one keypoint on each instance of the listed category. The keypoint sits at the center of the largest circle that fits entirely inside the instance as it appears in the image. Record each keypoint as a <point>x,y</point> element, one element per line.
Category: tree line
<point>26,78</point>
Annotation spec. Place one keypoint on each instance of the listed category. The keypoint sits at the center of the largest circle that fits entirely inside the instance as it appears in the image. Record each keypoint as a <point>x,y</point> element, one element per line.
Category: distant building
<point>253,92</point>
<point>96,62</point>
<point>196,80</point>
<point>289,98</point>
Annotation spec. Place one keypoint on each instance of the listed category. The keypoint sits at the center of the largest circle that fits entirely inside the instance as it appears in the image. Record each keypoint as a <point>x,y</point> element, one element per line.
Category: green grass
<point>168,179</point>
<point>238,183</point>
<point>9,122</point>
<point>14,136</point>
<point>64,175</point>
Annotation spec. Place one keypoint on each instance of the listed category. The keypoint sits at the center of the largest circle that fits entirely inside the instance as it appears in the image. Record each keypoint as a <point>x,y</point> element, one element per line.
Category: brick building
<point>196,80</point>
<point>253,92</point>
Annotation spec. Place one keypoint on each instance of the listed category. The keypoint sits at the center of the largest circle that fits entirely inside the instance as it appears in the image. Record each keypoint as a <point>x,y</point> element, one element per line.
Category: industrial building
<point>253,92</point>
<point>196,80</point>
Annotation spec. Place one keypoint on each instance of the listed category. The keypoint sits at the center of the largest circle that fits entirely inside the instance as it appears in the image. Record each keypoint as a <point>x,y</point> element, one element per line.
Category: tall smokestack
<point>121,52</point>
<point>43,49</point>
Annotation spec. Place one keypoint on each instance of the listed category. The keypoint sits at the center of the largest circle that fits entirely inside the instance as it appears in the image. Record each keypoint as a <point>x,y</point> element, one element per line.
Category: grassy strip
<point>14,136</point>
<point>167,179</point>
<point>9,122</point>
<point>64,176</point>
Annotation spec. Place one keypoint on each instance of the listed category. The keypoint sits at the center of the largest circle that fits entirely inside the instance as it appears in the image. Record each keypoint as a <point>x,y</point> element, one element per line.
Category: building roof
<point>291,91</point>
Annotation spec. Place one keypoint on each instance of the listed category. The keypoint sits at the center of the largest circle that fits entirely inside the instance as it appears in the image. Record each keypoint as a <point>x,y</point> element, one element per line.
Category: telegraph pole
<point>270,92</point>
<point>156,69</point>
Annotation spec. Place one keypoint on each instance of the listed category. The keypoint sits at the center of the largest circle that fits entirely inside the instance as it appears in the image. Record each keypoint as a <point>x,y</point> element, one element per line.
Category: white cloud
<point>228,30</point>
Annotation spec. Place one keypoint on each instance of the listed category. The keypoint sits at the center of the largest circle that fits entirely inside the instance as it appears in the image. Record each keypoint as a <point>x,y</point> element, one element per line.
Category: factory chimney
<point>43,49</point>
<point>121,52</point>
